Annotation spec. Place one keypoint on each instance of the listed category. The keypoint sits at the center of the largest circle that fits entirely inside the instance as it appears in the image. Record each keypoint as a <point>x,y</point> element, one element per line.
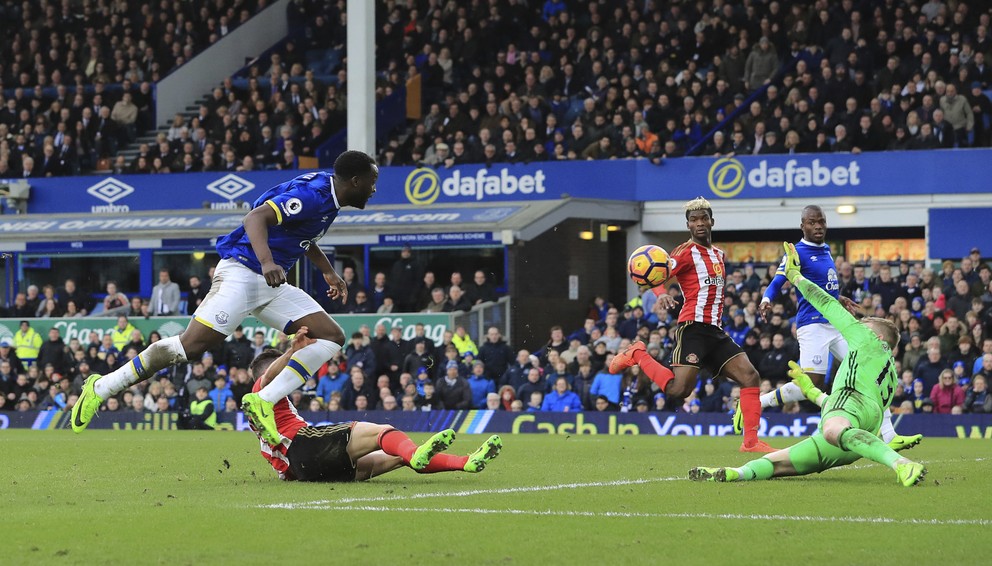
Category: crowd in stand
<point>520,82</point>
<point>514,81</point>
<point>944,359</point>
<point>76,78</point>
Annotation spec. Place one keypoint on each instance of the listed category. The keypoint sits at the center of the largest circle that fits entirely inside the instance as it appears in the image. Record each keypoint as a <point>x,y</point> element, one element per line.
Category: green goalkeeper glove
<point>791,262</point>
<point>805,384</point>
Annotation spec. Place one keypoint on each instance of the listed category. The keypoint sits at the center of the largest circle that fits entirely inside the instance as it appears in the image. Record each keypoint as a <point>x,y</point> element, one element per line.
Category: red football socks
<point>751,411</point>
<point>397,443</point>
<point>654,370</point>
<point>445,463</point>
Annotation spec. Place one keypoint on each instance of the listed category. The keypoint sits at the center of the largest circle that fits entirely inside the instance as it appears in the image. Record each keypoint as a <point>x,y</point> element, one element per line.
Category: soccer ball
<point>649,266</point>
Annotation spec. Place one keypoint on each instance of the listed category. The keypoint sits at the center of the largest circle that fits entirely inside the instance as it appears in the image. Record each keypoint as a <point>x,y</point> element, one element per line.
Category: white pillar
<point>361,75</point>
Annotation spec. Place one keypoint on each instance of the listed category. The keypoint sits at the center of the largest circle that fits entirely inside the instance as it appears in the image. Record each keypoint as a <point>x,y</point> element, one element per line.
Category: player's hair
<point>263,361</point>
<point>698,203</point>
<point>353,164</point>
<point>812,208</point>
<point>885,328</point>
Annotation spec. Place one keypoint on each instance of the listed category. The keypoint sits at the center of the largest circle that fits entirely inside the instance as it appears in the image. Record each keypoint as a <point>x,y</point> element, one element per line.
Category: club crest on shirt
<point>817,360</point>
<point>222,317</point>
<point>692,359</point>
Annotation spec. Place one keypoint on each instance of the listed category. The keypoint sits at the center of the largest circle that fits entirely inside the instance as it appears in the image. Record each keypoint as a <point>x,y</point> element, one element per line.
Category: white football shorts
<point>816,342</point>
<point>237,291</point>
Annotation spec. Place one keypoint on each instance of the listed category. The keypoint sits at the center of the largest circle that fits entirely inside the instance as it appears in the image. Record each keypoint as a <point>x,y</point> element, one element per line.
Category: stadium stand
<point>76,81</point>
<point>519,82</point>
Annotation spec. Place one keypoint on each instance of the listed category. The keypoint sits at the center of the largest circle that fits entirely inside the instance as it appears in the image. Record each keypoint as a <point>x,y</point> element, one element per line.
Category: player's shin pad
<point>788,393</point>
<point>301,366</point>
<point>162,354</point>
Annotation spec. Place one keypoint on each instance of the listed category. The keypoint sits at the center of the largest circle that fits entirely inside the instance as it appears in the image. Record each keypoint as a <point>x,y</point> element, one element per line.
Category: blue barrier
<point>503,422</point>
<point>747,177</point>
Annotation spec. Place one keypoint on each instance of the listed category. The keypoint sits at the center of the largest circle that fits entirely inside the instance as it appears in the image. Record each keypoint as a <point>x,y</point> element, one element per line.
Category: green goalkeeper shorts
<point>862,412</point>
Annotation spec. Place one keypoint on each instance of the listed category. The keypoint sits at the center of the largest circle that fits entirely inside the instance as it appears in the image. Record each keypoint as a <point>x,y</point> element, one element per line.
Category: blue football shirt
<point>305,207</point>
<point>817,265</point>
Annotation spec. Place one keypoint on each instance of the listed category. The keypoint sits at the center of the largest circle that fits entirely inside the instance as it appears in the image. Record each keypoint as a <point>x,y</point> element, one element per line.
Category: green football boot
<point>714,474</point>
<point>437,444</point>
<point>910,473</point>
<point>486,453</point>
<point>738,419</point>
<point>900,443</point>
<point>86,406</point>
<point>260,413</point>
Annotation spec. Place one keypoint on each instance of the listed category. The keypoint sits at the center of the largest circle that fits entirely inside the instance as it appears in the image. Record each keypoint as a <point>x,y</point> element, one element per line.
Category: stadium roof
<point>508,221</point>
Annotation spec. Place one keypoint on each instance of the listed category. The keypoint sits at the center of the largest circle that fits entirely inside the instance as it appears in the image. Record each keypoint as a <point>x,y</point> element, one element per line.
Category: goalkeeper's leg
<point>812,455</point>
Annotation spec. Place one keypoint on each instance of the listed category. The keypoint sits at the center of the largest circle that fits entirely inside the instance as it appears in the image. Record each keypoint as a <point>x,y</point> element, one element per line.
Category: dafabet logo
<point>728,177</point>
<point>424,185</point>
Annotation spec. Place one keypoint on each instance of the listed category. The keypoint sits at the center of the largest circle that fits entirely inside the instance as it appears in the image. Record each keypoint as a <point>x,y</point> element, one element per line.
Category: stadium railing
<point>481,317</point>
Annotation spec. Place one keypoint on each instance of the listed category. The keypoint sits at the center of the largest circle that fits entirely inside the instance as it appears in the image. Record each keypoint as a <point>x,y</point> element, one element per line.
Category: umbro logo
<point>110,190</point>
<point>812,258</point>
<point>230,186</point>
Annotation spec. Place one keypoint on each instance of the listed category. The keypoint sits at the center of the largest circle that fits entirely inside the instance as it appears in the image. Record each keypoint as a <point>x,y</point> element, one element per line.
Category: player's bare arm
<point>337,289</point>
<point>257,223</point>
<point>851,306</point>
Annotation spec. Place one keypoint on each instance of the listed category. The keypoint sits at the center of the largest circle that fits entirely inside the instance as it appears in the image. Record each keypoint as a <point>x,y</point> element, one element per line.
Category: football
<point>649,266</point>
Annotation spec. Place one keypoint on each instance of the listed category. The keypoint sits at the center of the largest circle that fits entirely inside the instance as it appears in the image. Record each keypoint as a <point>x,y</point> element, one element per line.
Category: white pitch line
<point>624,514</point>
<point>326,503</point>
<point>499,491</point>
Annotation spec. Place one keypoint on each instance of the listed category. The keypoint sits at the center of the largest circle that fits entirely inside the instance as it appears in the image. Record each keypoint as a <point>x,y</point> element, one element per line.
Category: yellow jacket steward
<point>26,344</point>
<point>121,337</point>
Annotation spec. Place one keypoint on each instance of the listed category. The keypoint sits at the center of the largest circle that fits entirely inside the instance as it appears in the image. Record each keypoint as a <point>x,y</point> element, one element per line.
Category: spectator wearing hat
<point>760,65</point>
<point>8,355</point>
<point>947,394</point>
<point>481,385</point>
<point>453,390</point>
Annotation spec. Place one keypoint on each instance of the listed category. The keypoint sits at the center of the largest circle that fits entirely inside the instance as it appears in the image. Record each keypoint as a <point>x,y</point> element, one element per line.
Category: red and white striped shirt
<point>702,276</point>
<point>288,422</point>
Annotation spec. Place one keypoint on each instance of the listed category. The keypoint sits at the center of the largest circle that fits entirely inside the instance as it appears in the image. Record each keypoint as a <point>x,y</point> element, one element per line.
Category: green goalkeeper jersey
<point>868,367</point>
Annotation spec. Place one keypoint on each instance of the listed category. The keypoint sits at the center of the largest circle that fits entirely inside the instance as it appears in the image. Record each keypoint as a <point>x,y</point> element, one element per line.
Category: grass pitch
<point>123,497</point>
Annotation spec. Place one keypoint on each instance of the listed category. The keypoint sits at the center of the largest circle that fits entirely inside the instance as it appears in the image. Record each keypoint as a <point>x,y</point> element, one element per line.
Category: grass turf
<point>192,497</point>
